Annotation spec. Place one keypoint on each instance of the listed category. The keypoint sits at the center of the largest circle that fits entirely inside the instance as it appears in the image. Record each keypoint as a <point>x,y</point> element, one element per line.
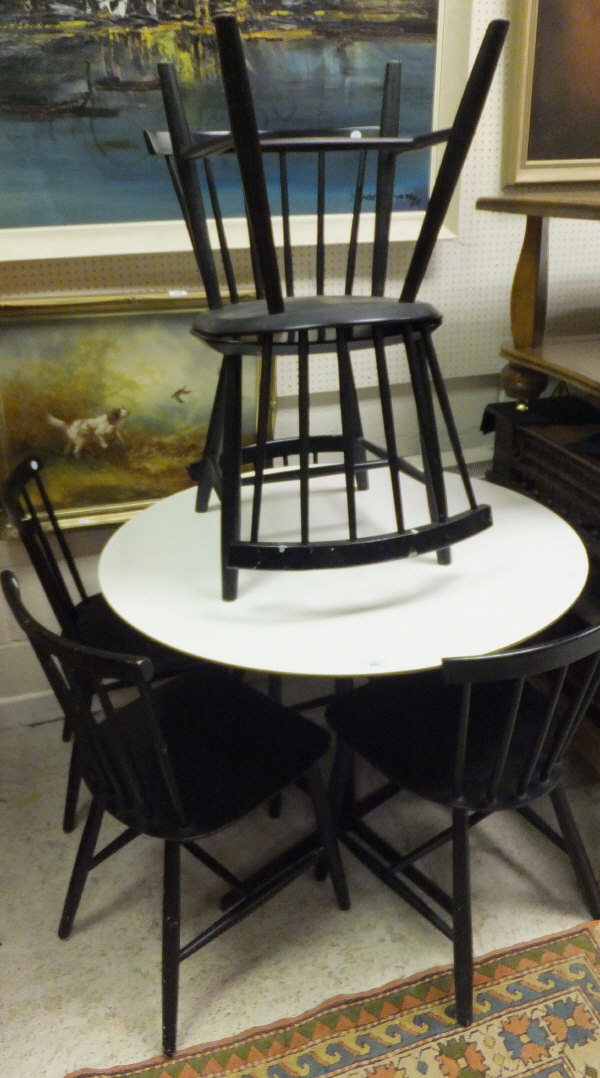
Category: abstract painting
<point>78,84</point>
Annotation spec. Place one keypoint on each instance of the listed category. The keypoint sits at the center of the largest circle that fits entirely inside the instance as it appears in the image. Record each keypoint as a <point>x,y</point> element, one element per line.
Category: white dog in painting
<point>99,430</point>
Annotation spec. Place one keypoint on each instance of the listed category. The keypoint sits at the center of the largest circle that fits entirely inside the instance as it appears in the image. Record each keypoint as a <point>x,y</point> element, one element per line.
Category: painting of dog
<point>98,431</point>
<point>115,400</point>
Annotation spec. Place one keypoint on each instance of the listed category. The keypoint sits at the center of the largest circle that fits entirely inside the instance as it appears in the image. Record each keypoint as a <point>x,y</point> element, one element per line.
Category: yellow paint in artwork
<point>165,44</point>
<point>276,35</point>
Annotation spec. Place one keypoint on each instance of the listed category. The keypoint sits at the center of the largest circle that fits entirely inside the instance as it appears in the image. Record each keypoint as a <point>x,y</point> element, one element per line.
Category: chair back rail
<point>30,511</point>
<point>546,691</point>
<point>386,175</point>
<point>187,186</point>
<point>457,147</point>
<point>248,148</point>
<point>287,148</point>
<point>182,149</point>
<point>244,129</point>
<point>383,144</point>
<point>79,677</point>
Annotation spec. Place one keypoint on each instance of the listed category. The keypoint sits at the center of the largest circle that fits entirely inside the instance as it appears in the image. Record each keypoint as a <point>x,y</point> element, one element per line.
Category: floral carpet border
<point>536,1015</point>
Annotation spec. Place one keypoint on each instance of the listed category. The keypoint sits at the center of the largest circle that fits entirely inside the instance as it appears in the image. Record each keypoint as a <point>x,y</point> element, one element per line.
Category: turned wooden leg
<point>528,304</point>
<point>522,383</point>
<point>529,296</point>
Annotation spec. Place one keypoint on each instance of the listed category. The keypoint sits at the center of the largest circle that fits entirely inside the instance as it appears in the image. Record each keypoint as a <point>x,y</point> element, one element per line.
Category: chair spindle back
<point>80,678</point>
<point>519,713</point>
<point>31,513</point>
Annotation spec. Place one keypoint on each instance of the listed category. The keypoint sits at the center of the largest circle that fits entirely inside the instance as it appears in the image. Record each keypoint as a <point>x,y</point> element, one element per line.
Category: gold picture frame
<point>131,360</point>
<point>552,134</point>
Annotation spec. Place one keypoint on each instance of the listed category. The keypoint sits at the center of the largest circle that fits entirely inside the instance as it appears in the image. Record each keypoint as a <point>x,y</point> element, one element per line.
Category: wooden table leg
<point>528,304</point>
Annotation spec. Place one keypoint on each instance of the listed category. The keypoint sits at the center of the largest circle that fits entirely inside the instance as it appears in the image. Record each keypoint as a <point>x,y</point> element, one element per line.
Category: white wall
<point>24,693</point>
<point>469,280</point>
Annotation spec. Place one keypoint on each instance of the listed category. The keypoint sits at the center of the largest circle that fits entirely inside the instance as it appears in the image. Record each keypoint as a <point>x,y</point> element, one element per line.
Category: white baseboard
<point>27,710</point>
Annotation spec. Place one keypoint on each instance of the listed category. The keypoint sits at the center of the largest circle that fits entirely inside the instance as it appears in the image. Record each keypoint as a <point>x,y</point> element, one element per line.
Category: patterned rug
<point>537,1014</point>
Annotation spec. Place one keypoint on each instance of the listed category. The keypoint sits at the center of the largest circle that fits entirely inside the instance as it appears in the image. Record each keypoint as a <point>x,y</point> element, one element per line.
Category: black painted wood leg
<point>430,445</point>
<point>72,796</point>
<point>461,916</point>
<point>81,869</point>
<point>232,462</point>
<point>576,850</point>
<point>170,944</point>
<point>328,836</point>
<point>207,471</point>
<point>275,689</point>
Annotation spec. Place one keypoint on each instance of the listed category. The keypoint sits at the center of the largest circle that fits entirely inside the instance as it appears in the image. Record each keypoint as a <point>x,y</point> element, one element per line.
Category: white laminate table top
<point>161,572</point>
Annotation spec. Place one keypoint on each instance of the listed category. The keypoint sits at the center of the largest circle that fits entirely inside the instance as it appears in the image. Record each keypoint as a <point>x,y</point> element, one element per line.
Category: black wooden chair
<point>279,322</point>
<point>181,761</point>
<point>86,618</point>
<point>480,735</point>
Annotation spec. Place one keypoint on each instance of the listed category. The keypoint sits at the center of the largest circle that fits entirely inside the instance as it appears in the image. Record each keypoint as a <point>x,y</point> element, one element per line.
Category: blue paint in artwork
<point>90,165</point>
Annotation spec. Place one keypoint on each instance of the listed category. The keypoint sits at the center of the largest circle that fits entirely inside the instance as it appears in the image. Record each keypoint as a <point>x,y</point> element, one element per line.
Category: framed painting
<point>114,396</point>
<point>78,85</point>
<point>552,131</point>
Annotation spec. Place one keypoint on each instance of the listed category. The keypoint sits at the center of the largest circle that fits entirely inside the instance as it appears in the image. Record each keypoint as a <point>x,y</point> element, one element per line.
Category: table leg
<point>528,304</point>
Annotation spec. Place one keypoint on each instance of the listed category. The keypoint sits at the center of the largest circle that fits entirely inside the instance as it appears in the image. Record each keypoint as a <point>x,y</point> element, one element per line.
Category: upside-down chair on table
<point>283,320</point>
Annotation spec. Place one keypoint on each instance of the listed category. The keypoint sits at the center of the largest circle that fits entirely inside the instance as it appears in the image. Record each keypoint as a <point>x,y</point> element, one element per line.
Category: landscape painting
<point>78,85</point>
<point>115,404</point>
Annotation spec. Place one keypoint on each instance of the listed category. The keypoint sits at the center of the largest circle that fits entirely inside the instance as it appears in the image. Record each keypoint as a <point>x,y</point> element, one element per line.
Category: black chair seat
<point>359,313</point>
<point>230,749</point>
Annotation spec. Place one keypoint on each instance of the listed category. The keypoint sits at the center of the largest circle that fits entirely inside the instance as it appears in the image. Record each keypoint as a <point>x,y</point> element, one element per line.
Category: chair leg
<point>349,430</point>
<point>428,434</point>
<point>446,410</point>
<point>328,836</point>
<point>72,795</point>
<point>360,453</point>
<point>81,869</point>
<point>389,430</point>
<point>341,783</point>
<point>262,434</point>
<point>304,434</point>
<point>231,473</point>
<point>340,795</point>
<point>275,692</point>
<point>461,916</point>
<point>207,471</point>
<point>170,944</point>
<point>576,850</point>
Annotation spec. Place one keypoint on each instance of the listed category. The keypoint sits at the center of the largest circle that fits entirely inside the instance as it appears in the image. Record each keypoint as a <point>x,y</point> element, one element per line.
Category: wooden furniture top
<point>558,201</point>
<point>532,356</point>
<point>574,360</point>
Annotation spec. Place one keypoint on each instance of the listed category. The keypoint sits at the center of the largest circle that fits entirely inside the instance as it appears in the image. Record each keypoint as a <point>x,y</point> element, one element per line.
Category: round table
<point>161,573</point>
